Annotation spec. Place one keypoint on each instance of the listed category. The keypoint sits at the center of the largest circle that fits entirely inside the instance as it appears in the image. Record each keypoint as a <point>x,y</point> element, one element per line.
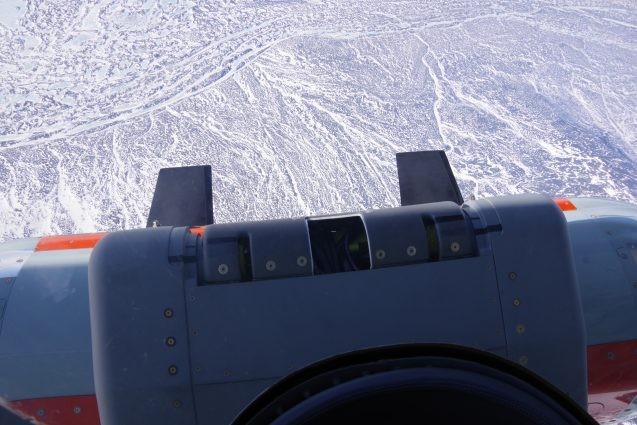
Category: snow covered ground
<point>300,106</point>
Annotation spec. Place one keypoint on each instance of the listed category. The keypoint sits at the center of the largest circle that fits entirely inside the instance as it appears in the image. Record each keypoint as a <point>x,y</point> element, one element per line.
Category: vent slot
<point>433,244</point>
<point>338,244</point>
<point>245,259</point>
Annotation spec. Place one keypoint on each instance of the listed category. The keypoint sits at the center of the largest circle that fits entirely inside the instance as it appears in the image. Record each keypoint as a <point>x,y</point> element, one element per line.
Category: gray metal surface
<point>13,256</point>
<point>605,251</point>
<point>539,294</point>
<point>11,262</point>
<point>222,402</point>
<point>27,244</point>
<point>45,347</point>
<point>603,233</point>
<point>268,329</point>
<point>137,303</point>
<point>273,249</point>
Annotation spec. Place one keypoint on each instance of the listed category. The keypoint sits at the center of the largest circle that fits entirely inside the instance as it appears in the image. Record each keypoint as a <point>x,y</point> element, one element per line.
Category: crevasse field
<point>300,106</point>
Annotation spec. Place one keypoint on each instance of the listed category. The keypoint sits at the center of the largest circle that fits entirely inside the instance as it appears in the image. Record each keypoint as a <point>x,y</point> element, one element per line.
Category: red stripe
<point>612,377</point>
<point>54,243</point>
<point>72,410</point>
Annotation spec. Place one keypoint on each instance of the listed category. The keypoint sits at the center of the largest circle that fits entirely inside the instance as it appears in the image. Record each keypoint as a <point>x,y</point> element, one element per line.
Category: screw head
<point>270,265</point>
<point>524,360</point>
<point>513,275</point>
<point>380,254</point>
<point>40,412</point>
<point>520,328</point>
<point>172,369</point>
<point>455,247</point>
<point>411,250</point>
<point>222,269</point>
<point>516,302</point>
<point>301,261</point>
<point>77,410</point>
<point>177,404</point>
<point>168,313</point>
<point>170,341</point>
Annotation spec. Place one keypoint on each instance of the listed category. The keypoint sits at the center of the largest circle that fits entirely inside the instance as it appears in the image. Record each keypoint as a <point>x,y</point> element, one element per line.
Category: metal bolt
<point>611,355</point>
<point>172,369</point>
<point>270,265</point>
<point>168,313</point>
<point>380,254</point>
<point>197,369</point>
<point>176,404</point>
<point>40,412</point>
<point>195,332</point>
<point>455,247</point>
<point>301,261</point>
<point>513,275</point>
<point>524,360</point>
<point>516,302</point>
<point>191,298</point>
<point>77,410</point>
<point>226,373</point>
<point>223,269</point>
<point>170,341</point>
<point>520,329</point>
<point>411,250</point>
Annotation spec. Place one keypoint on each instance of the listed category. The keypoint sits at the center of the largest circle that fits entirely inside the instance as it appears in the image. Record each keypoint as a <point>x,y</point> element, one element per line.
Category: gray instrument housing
<point>189,329</point>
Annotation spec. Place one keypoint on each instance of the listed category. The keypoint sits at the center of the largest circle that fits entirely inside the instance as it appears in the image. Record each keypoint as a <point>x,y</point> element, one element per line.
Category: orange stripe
<point>197,230</point>
<point>55,243</point>
<point>71,410</point>
<point>565,204</point>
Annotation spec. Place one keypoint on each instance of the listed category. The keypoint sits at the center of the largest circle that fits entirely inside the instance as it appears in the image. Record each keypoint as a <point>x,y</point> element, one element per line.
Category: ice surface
<point>300,106</point>
<point>11,11</point>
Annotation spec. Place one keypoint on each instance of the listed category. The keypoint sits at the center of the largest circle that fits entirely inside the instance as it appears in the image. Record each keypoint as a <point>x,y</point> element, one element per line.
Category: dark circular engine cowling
<point>413,385</point>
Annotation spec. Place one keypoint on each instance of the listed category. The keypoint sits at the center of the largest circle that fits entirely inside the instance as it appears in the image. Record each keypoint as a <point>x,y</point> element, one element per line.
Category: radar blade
<point>426,177</point>
<point>183,197</point>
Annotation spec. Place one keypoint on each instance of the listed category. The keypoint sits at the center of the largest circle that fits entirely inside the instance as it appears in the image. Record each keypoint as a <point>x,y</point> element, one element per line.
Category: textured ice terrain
<point>300,106</point>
